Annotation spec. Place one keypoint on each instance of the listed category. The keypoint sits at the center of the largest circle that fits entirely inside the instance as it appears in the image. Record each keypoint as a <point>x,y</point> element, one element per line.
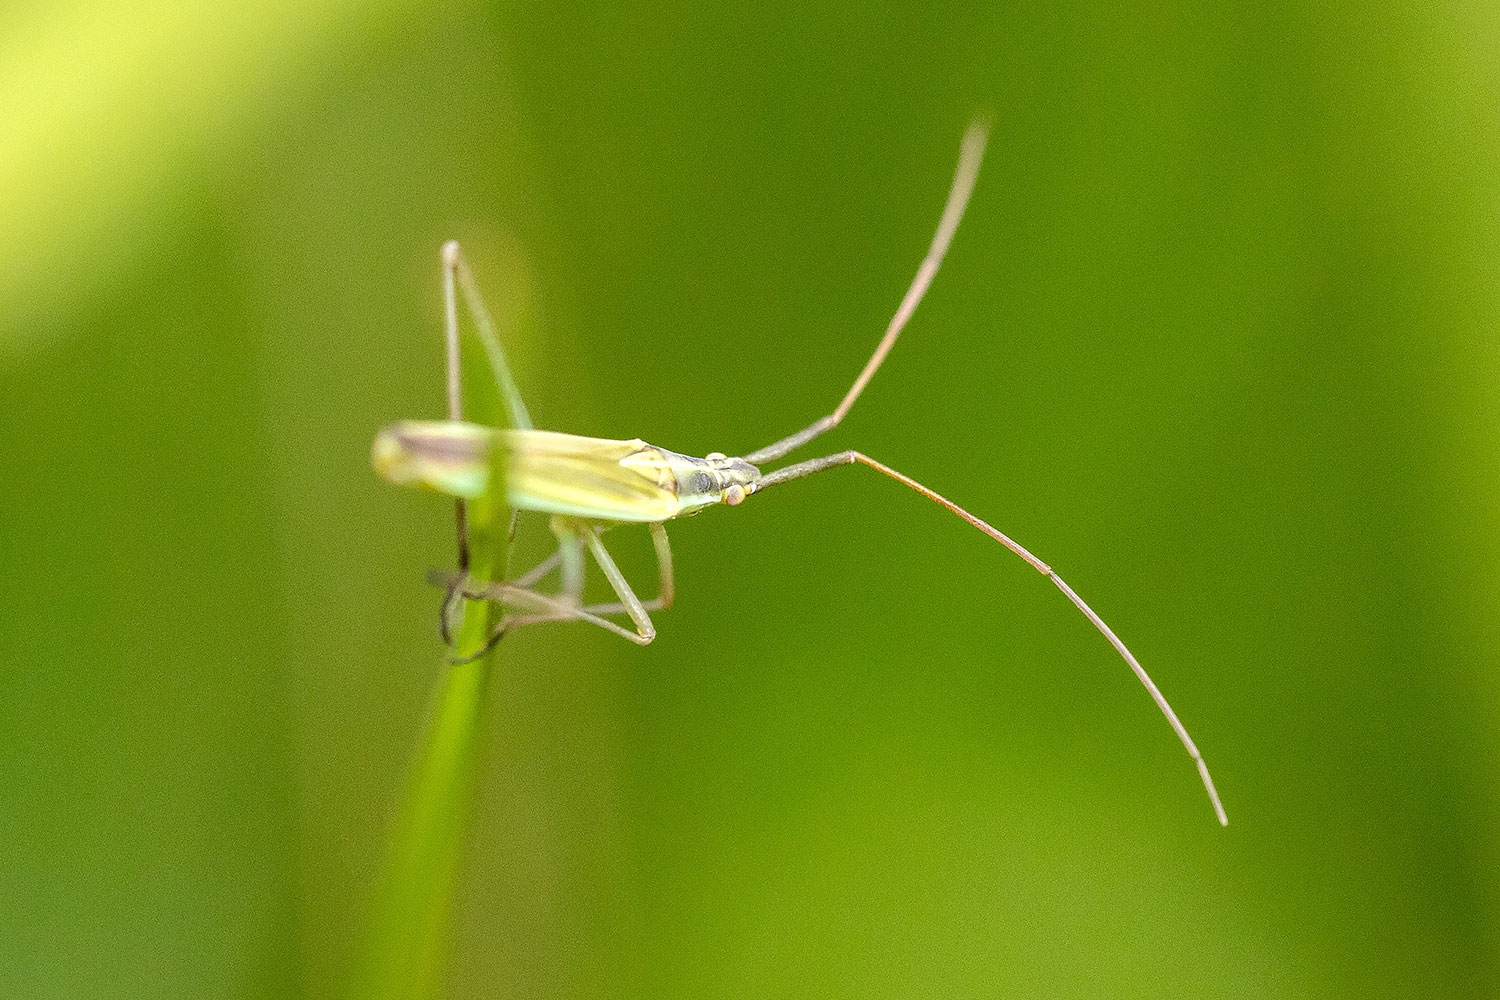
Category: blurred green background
<point>1219,339</point>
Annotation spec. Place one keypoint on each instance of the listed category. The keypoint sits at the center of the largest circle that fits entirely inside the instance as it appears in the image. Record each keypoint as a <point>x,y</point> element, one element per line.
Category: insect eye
<point>734,494</point>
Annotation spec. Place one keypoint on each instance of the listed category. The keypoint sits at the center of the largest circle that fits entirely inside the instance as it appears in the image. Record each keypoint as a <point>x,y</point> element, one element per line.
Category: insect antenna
<point>807,468</point>
<point>970,153</point>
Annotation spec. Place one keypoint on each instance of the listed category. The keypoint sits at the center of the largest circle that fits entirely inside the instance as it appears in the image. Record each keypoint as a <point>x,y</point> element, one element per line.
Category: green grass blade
<point>406,943</point>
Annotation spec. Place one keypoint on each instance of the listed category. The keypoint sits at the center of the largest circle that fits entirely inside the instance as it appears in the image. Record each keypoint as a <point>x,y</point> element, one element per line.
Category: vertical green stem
<point>407,939</point>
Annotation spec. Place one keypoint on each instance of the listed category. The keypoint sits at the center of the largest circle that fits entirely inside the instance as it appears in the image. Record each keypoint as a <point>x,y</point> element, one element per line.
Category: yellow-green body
<point>596,479</point>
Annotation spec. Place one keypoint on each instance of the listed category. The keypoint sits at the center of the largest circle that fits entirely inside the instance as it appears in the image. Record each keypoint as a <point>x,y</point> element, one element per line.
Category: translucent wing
<point>546,471</point>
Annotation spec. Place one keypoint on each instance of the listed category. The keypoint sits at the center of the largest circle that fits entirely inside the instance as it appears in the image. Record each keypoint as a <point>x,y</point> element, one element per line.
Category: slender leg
<point>667,583</point>
<point>566,606</point>
<point>478,591</point>
<point>473,589</point>
<point>569,553</point>
<point>452,603</point>
<point>668,592</point>
<point>850,457</point>
<point>456,269</point>
<point>560,612</point>
<point>633,606</point>
<point>456,273</point>
<point>969,155</point>
<point>551,609</point>
<point>554,606</point>
<point>572,537</point>
<point>570,549</point>
<point>538,571</point>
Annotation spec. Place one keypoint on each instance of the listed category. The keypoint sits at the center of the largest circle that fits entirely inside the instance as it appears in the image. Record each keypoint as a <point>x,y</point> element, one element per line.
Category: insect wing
<point>448,456</point>
<point>589,477</point>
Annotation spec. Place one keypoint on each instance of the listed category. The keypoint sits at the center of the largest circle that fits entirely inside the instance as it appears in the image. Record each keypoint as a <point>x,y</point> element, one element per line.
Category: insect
<point>588,485</point>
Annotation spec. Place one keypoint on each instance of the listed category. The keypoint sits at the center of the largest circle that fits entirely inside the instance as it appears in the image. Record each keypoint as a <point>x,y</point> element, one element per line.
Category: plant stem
<point>406,943</point>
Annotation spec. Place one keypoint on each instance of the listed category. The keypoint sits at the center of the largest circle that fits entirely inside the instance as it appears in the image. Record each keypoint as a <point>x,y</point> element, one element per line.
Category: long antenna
<point>969,155</point>
<point>850,457</point>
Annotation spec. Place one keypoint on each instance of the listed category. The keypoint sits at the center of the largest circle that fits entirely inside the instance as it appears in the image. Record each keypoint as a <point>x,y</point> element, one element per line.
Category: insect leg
<point>668,590</point>
<point>850,457</point>
<point>456,585</point>
<point>538,571</point>
<point>570,551</point>
<point>565,605</point>
<point>451,612</point>
<point>549,608</point>
<point>456,271</point>
<point>474,590</point>
<point>633,607</point>
<point>459,587</point>
<point>970,153</point>
<point>459,280</point>
<point>452,603</point>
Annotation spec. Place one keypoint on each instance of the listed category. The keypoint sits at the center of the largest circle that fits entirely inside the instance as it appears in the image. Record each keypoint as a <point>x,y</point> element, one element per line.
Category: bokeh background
<point>1219,338</point>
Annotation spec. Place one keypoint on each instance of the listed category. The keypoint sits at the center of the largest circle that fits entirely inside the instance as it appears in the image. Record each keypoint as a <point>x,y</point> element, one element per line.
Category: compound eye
<point>734,494</point>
